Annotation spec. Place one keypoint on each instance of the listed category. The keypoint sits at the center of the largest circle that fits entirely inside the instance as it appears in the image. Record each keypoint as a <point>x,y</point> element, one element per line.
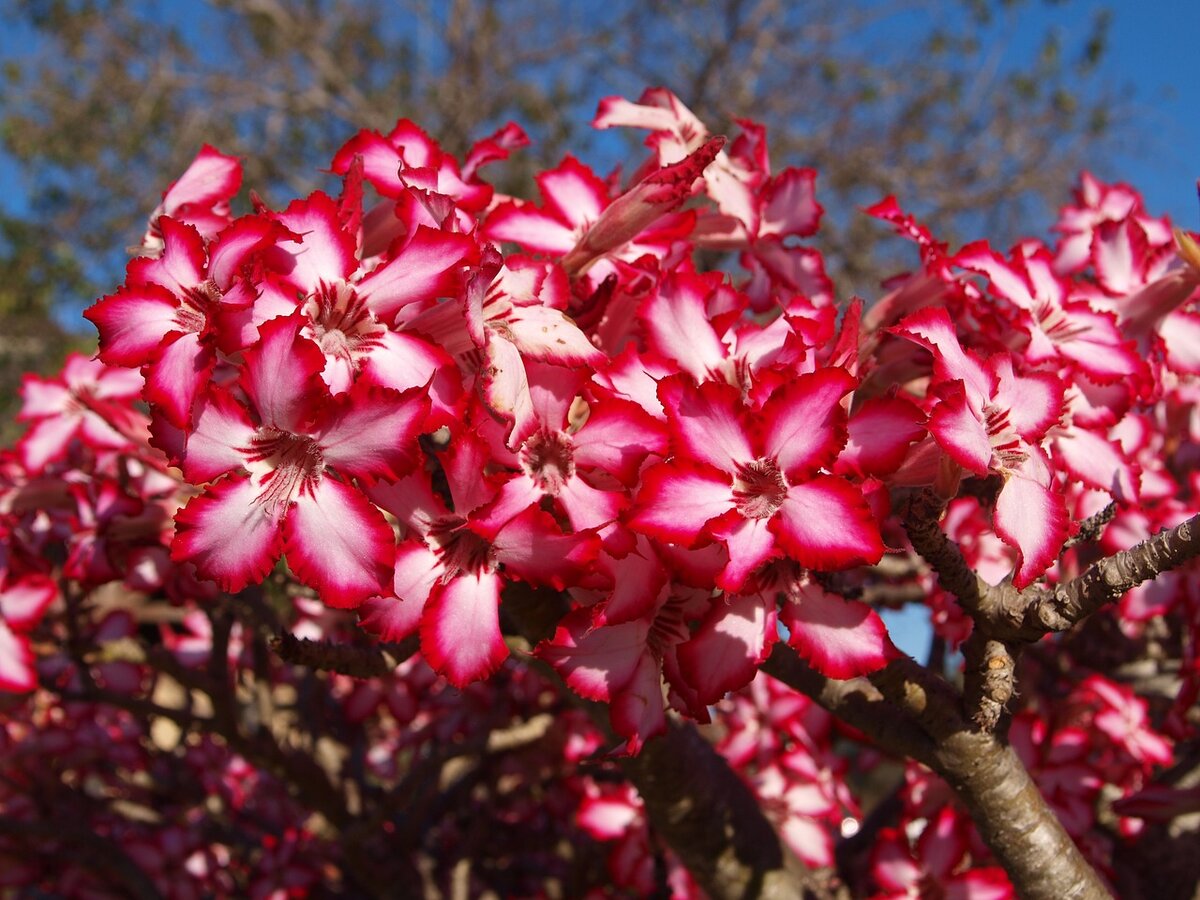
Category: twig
<point>345,659</point>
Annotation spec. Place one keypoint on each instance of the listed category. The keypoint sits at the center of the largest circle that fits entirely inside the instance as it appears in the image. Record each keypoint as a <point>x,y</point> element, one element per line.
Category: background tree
<point>116,95</point>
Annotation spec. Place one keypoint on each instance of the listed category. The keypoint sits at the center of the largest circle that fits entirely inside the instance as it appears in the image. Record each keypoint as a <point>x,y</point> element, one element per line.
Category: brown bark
<point>706,814</point>
<point>1003,613</point>
<point>916,714</point>
<point>345,659</point>
<point>715,825</point>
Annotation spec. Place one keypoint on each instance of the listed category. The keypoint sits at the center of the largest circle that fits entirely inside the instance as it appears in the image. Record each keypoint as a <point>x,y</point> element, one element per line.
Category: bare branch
<point>1012,816</point>
<point>345,659</point>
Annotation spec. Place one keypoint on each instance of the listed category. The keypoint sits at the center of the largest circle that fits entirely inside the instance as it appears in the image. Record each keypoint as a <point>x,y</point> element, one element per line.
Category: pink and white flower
<point>288,453</point>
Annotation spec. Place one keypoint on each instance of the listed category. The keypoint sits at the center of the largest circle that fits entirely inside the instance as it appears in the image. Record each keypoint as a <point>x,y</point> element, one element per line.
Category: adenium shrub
<point>549,444</point>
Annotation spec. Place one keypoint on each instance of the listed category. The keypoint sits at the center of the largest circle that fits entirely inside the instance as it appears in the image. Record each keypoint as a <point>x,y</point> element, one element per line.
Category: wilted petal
<point>506,389</point>
<point>549,335</point>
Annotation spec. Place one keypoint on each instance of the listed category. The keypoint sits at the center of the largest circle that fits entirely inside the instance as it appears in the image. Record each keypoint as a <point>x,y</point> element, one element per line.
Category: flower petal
<point>617,438</point>
<point>839,638</point>
<point>372,432</point>
<point>677,325</point>
<point>1098,463</point>
<point>932,329</point>
<point>16,662</point>
<point>750,543</point>
<point>418,571</point>
<point>959,431</point>
<point>339,543</point>
<point>826,524</point>
<point>427,267</point>
<point>220,438</point>
<point>460,631</point>
<point>805,422</point>
<point>133,322</point>
<point>178,374</point>
<point>677,500</point>
<point>879,435</point>
<point>282,373</point>
<point>230,537</point>
<point>533,549</point>
<point>724,653</point>
<point>706,422</point>
<point>595,662</point>
<point>23,601</point>
<point>324,253</point>
<point>1033,520</point>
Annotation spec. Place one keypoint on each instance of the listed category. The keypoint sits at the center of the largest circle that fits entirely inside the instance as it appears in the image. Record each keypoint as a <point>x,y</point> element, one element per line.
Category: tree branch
<point>1012,816</point>
<point>1105,581</point>
<point>694,800</point>
<point>345,659</point>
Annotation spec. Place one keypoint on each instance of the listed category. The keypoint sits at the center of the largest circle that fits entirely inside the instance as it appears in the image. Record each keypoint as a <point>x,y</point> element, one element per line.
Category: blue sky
<point>1152,51</point>
<point>1152,54</point>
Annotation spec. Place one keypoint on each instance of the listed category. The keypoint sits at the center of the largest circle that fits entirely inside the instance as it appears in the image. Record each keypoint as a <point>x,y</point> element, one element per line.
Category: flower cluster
<point>418,401</point>
<point>477,421</point>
